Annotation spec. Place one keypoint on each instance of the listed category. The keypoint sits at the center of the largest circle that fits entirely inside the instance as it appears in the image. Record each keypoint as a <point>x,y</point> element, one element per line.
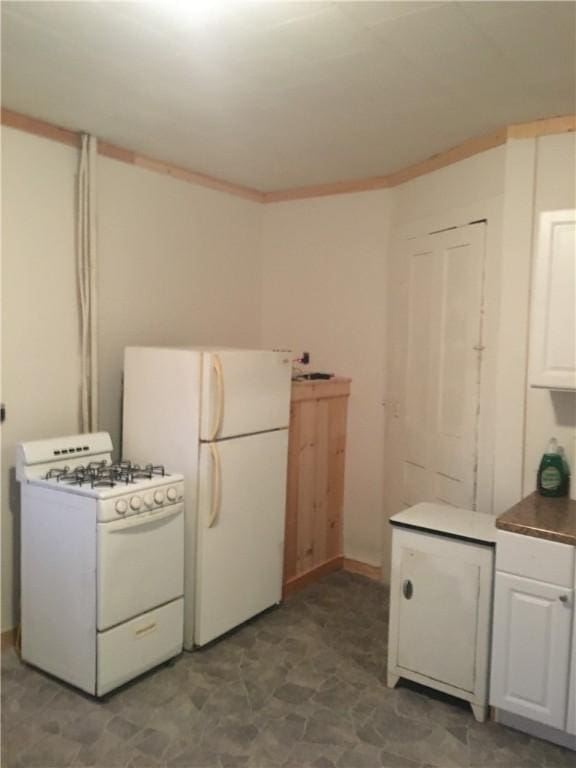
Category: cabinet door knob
<point>407,589</point>
<point>563,598</point>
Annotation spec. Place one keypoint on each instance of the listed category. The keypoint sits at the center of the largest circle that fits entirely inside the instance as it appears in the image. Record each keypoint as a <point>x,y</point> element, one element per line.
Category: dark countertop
<point>542,517</point>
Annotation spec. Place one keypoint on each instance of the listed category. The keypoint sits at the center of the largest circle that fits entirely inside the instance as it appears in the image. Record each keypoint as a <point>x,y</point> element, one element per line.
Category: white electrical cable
<point>86,263</point>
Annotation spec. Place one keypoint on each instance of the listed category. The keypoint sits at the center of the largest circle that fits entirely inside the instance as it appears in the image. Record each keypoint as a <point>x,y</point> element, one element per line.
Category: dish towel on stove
<point>86,261</point>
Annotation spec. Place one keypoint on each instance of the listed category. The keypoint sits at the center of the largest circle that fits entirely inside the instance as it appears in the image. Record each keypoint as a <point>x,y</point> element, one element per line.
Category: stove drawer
<point>140,564</point>
<point>139,645</point>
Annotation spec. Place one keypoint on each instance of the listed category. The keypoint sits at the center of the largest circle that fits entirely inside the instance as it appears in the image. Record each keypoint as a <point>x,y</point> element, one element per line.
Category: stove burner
<point>56,472</point>
<point>99,474</point>
<point>106,482</point>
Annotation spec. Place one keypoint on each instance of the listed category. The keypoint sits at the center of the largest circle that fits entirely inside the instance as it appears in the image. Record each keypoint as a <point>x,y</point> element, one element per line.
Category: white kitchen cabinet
<point>531,648</point>
<point>571,717</point>
<point>553,313</point>
<point>441,585</point>
<point>533,643</point>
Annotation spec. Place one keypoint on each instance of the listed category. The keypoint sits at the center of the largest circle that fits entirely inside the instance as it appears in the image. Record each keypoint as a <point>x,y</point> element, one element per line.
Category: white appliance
<point>102,562</point>
<point>441,601</point>
<point>220,417</point>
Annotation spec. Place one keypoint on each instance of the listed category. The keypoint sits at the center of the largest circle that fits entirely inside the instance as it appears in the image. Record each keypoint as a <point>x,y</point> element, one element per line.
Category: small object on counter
<point>553,472</point>
<point>310,376</point>
<point>562,453</point>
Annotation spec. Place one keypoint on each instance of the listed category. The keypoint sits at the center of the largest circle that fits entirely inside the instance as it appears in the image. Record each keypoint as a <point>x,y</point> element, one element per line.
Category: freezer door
<point>240,530</point>
<point>243,392</point>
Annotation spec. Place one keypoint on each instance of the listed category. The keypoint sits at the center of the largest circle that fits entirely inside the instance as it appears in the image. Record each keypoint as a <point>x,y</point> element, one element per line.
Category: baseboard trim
<point>532,728</point>
<point>303,579</point>
<point>7,639</point>
<point>373,572</point>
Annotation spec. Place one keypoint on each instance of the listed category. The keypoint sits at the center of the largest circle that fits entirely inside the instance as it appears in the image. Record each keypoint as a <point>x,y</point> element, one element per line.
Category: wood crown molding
<point>72,138</point>
<point>469,148</point>
<point>441,160</point>
<point>545,127</point>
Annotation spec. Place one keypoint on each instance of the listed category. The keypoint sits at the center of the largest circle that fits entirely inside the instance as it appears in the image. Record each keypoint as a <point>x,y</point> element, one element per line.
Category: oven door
<point>140,564</point>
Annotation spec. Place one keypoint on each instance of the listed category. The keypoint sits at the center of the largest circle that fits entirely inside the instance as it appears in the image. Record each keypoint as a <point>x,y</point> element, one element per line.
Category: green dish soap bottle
<point>552,473</point>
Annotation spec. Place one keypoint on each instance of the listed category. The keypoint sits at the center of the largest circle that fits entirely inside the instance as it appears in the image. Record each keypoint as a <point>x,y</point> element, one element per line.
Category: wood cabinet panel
<point>315,494</point>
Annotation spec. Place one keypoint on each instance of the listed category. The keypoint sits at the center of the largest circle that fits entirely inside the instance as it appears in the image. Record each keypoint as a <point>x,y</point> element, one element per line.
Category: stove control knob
<point>121,506</point>
<point>135,503</point>
<point>158,497</point>
<point>149,500</point>
<point>171,494</point>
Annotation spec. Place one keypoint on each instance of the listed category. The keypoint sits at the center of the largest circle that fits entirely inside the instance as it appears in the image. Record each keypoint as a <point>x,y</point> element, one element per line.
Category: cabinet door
<point>553,334</point>
<point>531,649</point>
<point>437,616</point>
<point>571,719</point>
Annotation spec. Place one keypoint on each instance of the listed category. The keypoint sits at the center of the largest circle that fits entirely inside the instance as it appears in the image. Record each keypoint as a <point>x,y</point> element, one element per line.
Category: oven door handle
<point>139,521</point>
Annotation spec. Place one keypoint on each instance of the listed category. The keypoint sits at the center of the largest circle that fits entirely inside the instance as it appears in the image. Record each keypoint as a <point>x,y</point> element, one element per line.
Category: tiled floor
<point>300,686</point>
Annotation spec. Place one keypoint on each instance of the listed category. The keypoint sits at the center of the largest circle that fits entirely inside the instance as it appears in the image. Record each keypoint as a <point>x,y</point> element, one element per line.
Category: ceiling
<point>274,95</point>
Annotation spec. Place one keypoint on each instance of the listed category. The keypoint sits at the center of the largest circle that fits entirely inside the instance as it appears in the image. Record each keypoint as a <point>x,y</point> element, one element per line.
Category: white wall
<point>323,292</point>
<point>436,195</point>
<point>177,264</point>
<point>550,414</point>
<point>40,363</point>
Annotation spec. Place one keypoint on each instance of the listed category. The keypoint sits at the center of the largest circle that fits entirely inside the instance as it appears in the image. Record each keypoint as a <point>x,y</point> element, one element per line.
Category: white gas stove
<point>102,562</point>
<point>86,468</point>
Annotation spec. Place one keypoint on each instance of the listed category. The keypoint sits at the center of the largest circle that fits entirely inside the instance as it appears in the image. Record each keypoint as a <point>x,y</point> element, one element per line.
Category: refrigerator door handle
<point>216,483</point>
<point>217,366</point>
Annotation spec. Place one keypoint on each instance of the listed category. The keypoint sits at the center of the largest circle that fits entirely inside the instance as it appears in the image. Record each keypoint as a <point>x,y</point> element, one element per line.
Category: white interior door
<point>242,492</point>
<point>437,351</point>
<point>244,391</point>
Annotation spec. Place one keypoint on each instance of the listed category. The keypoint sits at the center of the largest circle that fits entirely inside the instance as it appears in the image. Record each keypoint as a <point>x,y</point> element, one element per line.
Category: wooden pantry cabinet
<point>315,493</point>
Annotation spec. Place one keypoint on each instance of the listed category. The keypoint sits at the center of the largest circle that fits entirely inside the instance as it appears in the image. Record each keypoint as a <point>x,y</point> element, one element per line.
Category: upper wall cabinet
<point>553,324</point>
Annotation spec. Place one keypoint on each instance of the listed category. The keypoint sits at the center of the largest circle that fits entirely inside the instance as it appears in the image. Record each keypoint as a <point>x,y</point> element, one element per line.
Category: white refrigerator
<point>219,417</point>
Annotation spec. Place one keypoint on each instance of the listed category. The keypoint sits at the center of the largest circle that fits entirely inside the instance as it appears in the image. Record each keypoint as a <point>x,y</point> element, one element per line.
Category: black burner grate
<point>100,474</point>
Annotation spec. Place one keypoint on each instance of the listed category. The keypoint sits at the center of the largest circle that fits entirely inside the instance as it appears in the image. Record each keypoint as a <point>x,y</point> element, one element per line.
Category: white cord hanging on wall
<point>86,261</point>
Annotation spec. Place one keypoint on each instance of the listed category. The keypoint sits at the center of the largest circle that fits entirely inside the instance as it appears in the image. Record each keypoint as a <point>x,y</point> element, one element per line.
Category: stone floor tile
<point>152,742</point>
<point>121,727</point>
<point>49,752</point>
<point>318,731</point>
<point>293,694</point>
<point>551,755</point>
<point>86,729</point>
<point>302,685</point>
<point>233,761</point>
<point>388,760</point>
<point>193,757</point>
<point>108,747</point>
<point>306,755</point>
<point>361,756</point>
